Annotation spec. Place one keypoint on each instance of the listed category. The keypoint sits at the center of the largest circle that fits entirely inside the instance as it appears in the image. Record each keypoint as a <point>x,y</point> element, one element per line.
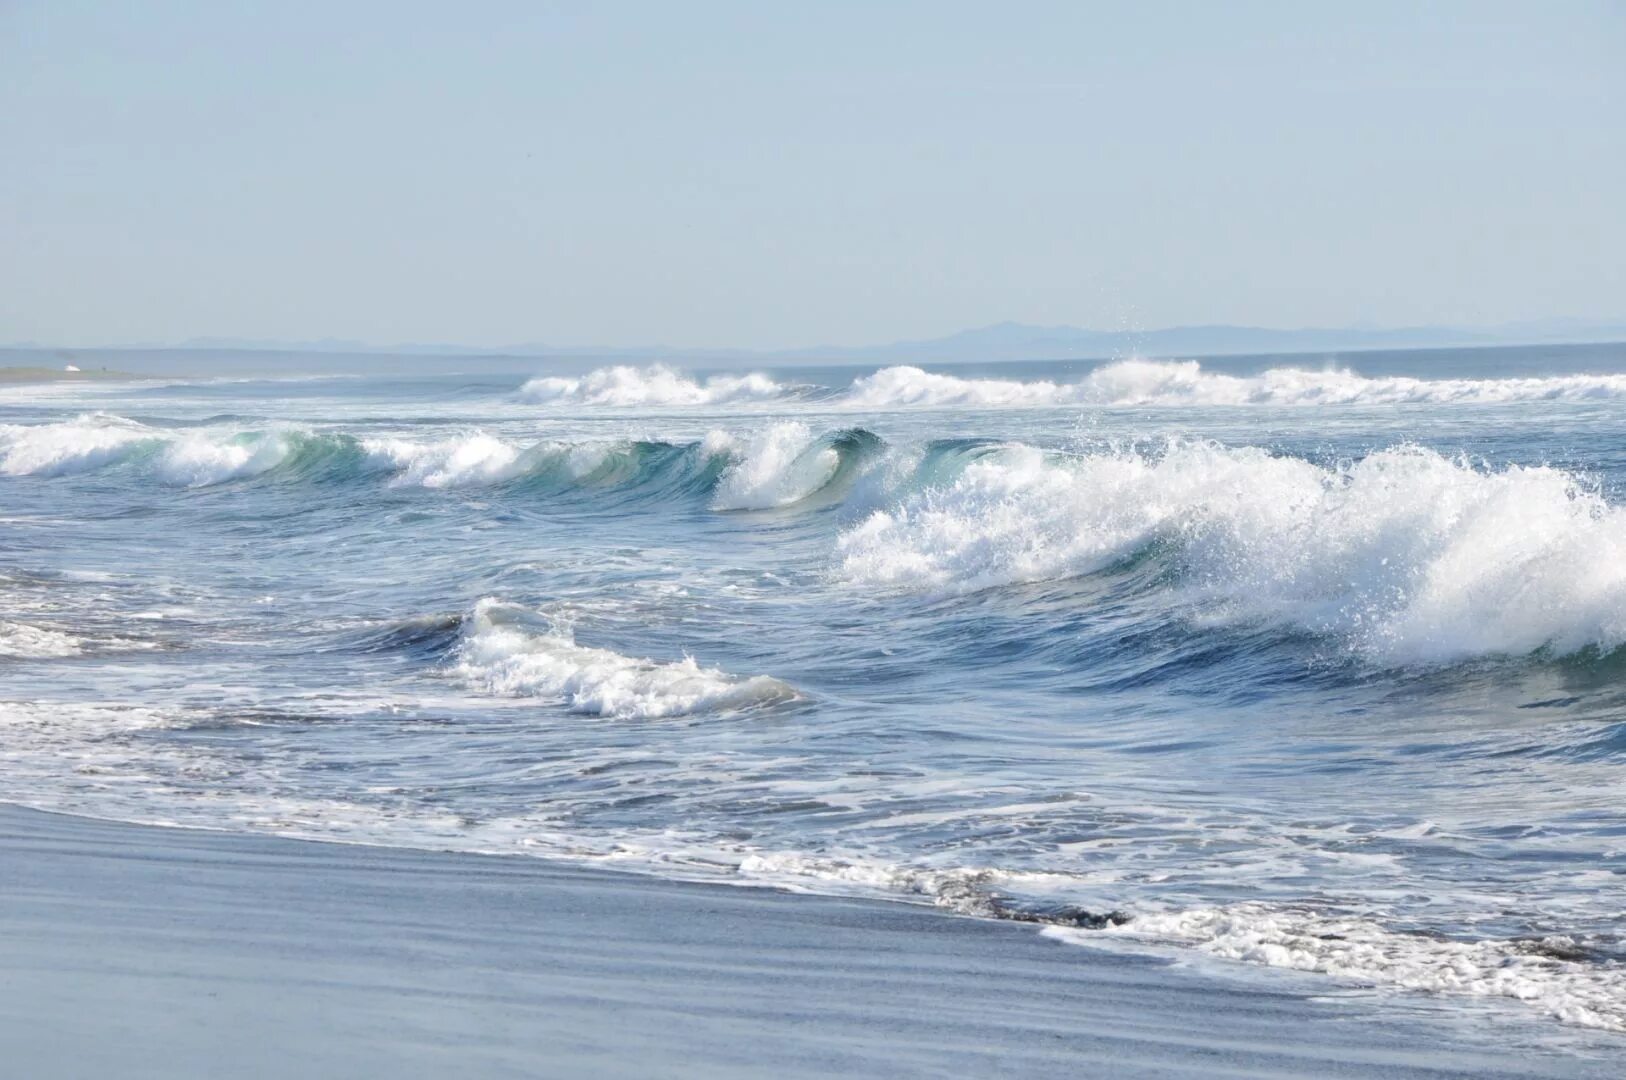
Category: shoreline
<point>147,951</point>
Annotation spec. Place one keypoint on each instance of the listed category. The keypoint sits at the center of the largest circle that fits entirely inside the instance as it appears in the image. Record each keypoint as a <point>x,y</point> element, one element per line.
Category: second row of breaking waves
<point>1401,556</point>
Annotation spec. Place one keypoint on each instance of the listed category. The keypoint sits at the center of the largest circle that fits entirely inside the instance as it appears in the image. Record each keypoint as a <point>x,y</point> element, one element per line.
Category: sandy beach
<point>134,951</point>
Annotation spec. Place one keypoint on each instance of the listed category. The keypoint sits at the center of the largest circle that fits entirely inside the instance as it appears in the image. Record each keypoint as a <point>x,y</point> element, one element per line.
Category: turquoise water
<point>1309,662</point>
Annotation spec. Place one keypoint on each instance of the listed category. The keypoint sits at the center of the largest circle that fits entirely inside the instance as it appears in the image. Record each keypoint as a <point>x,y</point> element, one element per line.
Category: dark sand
<point>128,951</point>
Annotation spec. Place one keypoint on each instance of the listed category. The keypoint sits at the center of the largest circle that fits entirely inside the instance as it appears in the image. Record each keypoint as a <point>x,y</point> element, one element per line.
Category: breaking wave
<point>508,651</point>
<point>656,385</point>
<point>72,446</point>
<point>1184,382</point>
<point>456,462</point>
<point>189,458</point>
<point>1159,383</point>
<point>20,641</point>
<point>777,466</point>
<point>25,641</point>
<point>1407,555</point>
<point>786,464</point>
<point>201,461</point>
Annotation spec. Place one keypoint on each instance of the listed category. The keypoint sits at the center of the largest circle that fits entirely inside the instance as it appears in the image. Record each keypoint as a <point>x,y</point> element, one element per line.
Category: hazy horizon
<point>995,342</point>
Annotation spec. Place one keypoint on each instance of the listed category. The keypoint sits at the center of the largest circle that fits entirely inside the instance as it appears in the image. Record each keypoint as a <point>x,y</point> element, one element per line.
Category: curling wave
<point>777,466</point>
<point>189,458</point>
<point>446,463</point>
<point>72,446</point>
<point>786,464</point>
<point>507,651</point>
<point>479,460</point>
<point>1408,556</point>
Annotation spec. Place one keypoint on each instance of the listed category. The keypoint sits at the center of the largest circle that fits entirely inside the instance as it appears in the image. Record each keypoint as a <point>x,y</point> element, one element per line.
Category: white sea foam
<point>1408,555</point>
<point>893,387</point>
<point>1134,382</point>
<point>456,462</point>
<point>478,459</point>
<point>1184,382</point>
<point>22,641</point>
<point>777,466</point>
<point>656,385</point>
<point>71,446</point>
<point>969,890</point>
<point>204,458</point>
<point>1540,973</point>
<point>503,652</point>
<point>192,458</point>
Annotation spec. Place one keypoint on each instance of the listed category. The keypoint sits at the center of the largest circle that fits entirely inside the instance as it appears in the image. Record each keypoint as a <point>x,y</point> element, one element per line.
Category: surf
<point>1405,555</point>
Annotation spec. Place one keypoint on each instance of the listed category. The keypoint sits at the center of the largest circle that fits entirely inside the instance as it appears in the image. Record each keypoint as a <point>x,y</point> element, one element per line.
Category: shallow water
<point>1310,662</point>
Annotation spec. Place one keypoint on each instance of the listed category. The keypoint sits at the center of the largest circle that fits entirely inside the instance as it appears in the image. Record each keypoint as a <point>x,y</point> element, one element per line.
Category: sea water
<point>1314,662</point>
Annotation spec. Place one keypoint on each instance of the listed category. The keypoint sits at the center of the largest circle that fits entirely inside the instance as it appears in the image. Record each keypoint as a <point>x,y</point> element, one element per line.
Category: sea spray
<point>505,652</point>
<point>1407,555</point>
<point>656,385</point>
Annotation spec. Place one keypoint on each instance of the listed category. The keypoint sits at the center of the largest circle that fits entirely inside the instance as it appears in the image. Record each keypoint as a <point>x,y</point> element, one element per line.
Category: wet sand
<point>143,952</point>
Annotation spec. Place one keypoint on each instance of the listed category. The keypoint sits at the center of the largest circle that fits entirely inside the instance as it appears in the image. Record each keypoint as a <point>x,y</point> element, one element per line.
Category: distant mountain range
<point>1001,341</point>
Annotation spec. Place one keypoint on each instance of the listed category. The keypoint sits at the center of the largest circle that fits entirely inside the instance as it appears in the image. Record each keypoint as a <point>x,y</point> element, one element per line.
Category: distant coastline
<point>997,343</point>
<point>37,374</point>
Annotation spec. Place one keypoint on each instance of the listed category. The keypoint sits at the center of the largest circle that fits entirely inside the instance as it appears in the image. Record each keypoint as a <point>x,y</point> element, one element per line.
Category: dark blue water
<point>1313,663</point>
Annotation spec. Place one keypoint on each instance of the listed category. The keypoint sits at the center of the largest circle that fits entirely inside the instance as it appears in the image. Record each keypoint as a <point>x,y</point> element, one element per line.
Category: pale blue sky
<point>778,175</point>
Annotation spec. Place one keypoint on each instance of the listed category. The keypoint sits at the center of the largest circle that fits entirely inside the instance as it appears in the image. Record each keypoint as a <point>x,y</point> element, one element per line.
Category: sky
<point>766,175</point>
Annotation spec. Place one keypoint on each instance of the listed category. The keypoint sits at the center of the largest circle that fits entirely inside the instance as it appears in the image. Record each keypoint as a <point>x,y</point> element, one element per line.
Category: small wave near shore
<point>508,651</point>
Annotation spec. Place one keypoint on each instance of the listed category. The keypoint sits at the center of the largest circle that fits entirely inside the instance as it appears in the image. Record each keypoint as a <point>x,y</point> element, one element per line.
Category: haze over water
<point>1280,660</point>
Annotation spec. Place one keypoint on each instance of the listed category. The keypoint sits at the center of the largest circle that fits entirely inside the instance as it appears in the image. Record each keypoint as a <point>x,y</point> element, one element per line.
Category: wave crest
<point>73,446</point>
<point>1407,555</point>
<point>446,463</point>
<point>786,464</point>
<point>185,459</point>
<point>1184,382</point>
<point>1124,383</point>
<point>657,385</point>
<point>504,652</point>
<point>202,460</point>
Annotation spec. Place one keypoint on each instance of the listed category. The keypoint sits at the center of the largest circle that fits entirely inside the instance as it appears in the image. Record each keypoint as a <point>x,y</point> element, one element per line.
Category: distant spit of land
<point>47,374</point>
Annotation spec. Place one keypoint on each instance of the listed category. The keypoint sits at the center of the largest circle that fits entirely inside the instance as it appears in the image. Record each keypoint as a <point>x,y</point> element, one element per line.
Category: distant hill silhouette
<point>1000,341</point>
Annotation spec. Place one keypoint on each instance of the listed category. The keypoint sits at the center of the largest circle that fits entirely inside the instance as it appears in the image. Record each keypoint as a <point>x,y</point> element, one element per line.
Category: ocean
<point>1314,662</point>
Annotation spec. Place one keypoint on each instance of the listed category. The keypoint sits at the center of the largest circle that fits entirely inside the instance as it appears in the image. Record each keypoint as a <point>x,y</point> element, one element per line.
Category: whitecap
<point>88,442</point>
<point>1186,383</point>
<point>447,463</point>
<point>778,466</point>
<point>1409,556</point>
<point>22,641</point>
<point>655,385</point>
<point>503,652</point>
